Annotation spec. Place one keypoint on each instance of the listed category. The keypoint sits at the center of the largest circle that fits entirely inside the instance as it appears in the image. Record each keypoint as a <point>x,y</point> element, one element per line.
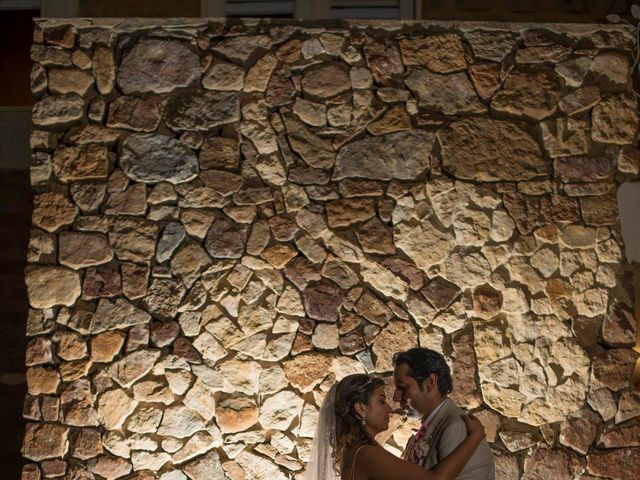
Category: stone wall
<point>230,217</point>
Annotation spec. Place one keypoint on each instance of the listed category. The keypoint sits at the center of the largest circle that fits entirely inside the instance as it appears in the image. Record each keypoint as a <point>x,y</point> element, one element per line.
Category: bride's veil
<point>321,463</point>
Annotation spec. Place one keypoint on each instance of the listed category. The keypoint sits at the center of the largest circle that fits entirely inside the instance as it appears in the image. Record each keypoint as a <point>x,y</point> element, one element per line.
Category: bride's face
<point>377,411</point>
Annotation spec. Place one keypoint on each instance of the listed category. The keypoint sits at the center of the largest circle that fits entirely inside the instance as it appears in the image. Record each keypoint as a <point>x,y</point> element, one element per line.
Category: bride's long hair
<point>350,431</point>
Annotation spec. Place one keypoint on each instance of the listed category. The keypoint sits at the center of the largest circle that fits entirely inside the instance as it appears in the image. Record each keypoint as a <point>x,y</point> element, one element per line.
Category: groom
<point>422,382</point>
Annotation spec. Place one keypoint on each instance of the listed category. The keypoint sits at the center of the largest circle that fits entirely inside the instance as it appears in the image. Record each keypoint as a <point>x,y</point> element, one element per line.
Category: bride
<point>354,411</point>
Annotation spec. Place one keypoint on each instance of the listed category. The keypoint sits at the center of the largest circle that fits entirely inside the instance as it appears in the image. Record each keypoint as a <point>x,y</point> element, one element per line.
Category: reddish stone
<point>307,370</point>
<point>137,337</point>
<point>407,270</point>
<point>163,333</point>
<point>87,444</point>
<point>226,239</point>
<point>440,293</point>
<point>134,280</point>
<point>101,281</point>
<point>466,393</point>
<point>44,440</point>
<point>486,301</point>
<point>31,471</point>
<point>283,228</point>
<point>322,301</point>
<point>620,437</point>
<point>183,348</point>
<point>383,58</point>
<point>527,212</point>
<point>302,343</point>
<point>583,169</point>
<point>613,368</point>
<point>616,465</point>
<point>579,432</point>
<point>301,272</point>
<point>351,343</point>
<point>619,328</point>
<point>346,212</point>
<point>280,89</point>
<point>545,464</point>
<point>220,153</point>
<point>485,78</point>
<point>39,352</point>
<point>628,406</point>
<point>53,468</point>
<point>374,237</point>
<point>565,209</point>
<point>105,346</point>
<point>371,308</point>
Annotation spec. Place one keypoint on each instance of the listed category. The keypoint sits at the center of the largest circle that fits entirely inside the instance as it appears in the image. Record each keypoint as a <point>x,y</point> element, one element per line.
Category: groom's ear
<point>431,382</point>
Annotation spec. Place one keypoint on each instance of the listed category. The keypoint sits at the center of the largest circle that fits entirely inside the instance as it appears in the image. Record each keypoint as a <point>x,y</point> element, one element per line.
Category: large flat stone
<point>79,250</point>
<point>475,149</point>
<point>400,156</point>
<point>158,66</point>
<point>85,163</point>
<point>153,158</point>
<point>58,111</point>
<point>113,314</point>
<point>530,94</point>
<point>51,286</point>
<point>203,111</point>
<point>449,94</point>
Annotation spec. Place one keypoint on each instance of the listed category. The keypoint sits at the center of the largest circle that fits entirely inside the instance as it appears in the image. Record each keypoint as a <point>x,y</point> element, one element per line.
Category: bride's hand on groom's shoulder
<point>474,427</point>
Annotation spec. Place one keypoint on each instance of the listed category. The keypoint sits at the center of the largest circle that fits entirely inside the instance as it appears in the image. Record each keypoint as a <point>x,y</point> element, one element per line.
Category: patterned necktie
<point>413,454</point>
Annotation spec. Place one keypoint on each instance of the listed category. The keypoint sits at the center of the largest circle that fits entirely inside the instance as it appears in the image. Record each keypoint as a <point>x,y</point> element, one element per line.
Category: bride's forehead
<point>379,390</point>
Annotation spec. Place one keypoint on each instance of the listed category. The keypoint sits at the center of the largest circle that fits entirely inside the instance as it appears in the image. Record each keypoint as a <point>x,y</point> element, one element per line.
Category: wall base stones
<point>229,217</point>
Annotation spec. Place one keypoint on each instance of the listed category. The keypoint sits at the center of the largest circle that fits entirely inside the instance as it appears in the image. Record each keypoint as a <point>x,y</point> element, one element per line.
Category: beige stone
<point>51,286</point>
<point>114,407</point>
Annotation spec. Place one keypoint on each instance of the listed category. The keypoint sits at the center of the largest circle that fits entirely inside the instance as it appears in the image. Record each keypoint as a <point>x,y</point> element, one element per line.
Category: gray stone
<point>170,240</point>
<point>203,111</point>
<point>59,111</point>
<point>326,80</point>
<point>159,66</point>
<point>152,158</point>
<point>315,151</point>
<point>112,314</point>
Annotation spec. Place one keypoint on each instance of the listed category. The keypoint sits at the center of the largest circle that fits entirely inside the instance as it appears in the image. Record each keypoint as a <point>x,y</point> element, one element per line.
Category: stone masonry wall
<point>229,217</point>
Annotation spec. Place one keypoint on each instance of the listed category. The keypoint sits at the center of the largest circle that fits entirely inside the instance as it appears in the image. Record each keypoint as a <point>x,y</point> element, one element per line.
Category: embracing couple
<point>448,445</point>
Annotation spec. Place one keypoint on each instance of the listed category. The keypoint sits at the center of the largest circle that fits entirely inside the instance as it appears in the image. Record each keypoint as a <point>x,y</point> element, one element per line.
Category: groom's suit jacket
<point>444,432</point>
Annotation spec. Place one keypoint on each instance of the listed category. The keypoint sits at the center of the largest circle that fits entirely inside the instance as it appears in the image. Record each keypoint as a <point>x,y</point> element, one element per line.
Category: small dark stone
<point>163,333</point>
<point>322,301</point>
<point>440,293</point>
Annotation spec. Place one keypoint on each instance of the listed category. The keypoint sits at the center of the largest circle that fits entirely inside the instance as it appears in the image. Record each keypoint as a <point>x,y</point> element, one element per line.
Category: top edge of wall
<point>181,22</point>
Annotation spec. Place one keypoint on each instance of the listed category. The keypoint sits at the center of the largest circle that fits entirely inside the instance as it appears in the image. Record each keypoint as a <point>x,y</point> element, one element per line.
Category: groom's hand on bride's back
<point>474,426</point>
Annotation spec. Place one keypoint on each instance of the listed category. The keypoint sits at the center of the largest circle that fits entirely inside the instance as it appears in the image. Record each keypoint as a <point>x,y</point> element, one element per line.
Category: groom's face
<point>407,392</point>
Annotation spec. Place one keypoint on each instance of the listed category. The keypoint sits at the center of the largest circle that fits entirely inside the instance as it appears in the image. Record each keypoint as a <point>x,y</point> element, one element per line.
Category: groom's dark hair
<point>423,362</point>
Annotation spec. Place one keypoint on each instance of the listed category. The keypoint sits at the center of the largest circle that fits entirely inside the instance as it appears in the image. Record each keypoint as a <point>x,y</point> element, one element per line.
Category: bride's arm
<point>379,464</point>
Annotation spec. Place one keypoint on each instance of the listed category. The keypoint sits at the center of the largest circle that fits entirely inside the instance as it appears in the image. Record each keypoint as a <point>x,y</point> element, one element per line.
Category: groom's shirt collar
<point>433,414</point>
